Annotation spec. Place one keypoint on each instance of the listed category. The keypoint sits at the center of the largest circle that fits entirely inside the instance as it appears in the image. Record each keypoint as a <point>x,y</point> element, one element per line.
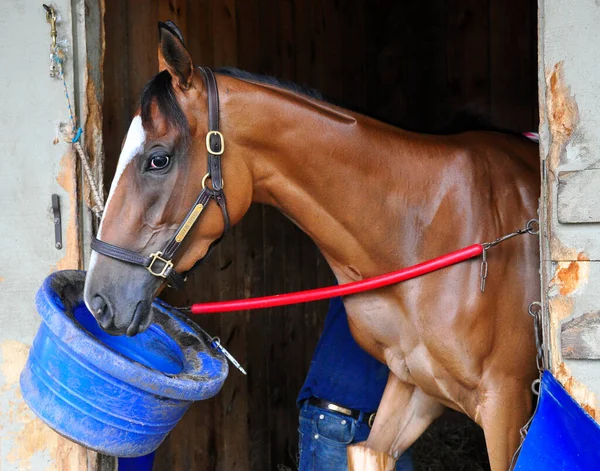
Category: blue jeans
<point>324,436</point>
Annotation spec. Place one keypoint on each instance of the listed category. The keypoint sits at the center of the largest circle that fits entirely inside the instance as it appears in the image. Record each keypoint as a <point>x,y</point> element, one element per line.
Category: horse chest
<point>377,322</point>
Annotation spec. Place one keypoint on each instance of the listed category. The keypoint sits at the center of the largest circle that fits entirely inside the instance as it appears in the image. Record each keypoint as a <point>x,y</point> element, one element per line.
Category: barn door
<point>34,168</point>
<point>570,207</point>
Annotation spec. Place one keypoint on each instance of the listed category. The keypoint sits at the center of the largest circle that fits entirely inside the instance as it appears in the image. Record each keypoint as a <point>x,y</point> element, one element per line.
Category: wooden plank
<point>354,56</point>
<point>116,109</point>
<point>268,34</point>
<point>286,40</point>
<point>292,338</point>
<point>273,233</point>
<point>467,52</point>
<point>580,337</point>
<point>234,398</point>
<point>318,75</point>
<point>176,11</point>
<point>302,43</point>
<point>250,248</point>
<point>331,28</point>
<point>248,36</point>
<point>513,64</point>
<point>142,41</point>
<point>200,38</point>
<point>578,196</point>
<point>406,54</point>
<point>250,272</point>
<point>224,25</point>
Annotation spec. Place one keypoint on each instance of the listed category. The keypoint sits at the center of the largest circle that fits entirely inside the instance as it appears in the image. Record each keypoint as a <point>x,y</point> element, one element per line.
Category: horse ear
<point>173,55</point>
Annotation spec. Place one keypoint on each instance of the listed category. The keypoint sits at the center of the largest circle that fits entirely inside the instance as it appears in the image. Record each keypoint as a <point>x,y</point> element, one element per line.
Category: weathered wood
<point>200,41</point>
<point>580,337</point>
<point>250,268</point>
<point>467,66</point>
<point>116,111</point>
<point>225,27</point>
<point>176,11</point>
<point>513,63</point>
<point>142,42</point>
<point>578,196</point>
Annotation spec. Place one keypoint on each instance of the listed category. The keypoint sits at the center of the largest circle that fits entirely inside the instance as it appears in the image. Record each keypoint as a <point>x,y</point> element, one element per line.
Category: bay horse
<point>373,198</point>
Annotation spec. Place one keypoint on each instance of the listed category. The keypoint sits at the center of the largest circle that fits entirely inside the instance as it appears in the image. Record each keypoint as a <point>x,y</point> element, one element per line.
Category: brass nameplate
<point>187,225</point>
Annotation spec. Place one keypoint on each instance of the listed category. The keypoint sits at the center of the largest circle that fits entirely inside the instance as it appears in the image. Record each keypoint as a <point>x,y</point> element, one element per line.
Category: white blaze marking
<point>133,145</point>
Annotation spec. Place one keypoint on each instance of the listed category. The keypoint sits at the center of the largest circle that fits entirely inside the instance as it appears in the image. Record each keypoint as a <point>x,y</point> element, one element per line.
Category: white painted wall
<point>569,78</point>
<point>31,169</point>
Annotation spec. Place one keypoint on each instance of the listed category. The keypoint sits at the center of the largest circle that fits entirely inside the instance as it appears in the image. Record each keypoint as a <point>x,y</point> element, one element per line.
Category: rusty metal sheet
<point>579,196</point>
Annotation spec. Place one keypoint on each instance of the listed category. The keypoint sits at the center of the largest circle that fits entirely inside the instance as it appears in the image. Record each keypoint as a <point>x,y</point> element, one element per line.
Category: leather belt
<point>368,417</point>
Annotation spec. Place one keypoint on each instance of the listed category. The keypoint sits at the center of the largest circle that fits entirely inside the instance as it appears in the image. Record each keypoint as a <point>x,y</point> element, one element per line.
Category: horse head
<point>161,171</point>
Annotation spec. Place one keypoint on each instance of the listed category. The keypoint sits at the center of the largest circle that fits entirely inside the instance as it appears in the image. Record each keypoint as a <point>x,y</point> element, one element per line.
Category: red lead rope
<point>380,281</point>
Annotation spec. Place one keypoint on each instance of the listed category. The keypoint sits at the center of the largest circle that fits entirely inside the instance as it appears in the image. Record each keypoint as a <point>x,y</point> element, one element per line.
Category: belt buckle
<point>340,409</point>
<point>371,419</point>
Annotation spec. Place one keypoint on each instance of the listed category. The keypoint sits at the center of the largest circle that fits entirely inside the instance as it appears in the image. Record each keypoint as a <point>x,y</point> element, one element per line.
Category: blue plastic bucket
<point>118,395</point>
<point>562,436</point>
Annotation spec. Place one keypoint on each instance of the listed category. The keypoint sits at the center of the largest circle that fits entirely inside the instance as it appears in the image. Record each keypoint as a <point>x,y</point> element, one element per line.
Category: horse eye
<point>158,162</point>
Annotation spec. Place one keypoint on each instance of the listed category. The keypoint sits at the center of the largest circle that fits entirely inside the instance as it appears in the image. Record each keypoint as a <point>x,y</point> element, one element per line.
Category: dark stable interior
<point>426,66</point>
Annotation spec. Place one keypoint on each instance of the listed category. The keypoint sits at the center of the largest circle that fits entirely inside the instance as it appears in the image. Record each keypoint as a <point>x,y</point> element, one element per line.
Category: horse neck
<point>332,173</point>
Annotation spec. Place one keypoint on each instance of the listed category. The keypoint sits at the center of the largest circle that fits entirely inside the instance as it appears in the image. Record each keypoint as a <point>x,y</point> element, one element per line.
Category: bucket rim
<point>191,384</point>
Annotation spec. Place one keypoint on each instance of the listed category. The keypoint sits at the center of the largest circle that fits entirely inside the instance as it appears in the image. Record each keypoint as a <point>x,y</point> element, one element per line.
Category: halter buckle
<point>168,265</point>
<point>222,144</point>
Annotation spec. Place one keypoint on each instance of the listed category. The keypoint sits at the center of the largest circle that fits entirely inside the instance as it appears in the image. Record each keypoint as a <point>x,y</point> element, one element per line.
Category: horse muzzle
<point>119,297</point>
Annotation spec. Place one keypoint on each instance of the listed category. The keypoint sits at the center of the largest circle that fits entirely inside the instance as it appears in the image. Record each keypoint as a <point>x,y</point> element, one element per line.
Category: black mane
<point>160,89</point>
<point>270,80</point>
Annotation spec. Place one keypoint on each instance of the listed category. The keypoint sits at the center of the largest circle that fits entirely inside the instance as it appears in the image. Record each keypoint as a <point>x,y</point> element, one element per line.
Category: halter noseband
<point>160,263</point>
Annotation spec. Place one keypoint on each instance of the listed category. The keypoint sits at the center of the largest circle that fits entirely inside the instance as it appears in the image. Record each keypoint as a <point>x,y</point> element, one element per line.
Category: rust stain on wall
<point>25,436</point>
<point>569,275</point>
<point>571,271</point>
<point>567,278</point>
<point>31,436</point>
<point>578,391</point>
<point>562,112</point>
<point>67,178</point>
<point>562,115</point>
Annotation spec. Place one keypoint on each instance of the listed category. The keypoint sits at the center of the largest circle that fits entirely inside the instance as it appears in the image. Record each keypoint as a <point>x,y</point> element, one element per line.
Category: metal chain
<point>534,310</point>
<point>532,227</point>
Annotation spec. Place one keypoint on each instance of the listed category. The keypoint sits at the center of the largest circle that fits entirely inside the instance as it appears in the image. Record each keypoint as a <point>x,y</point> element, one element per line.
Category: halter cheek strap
<point>160,263</point>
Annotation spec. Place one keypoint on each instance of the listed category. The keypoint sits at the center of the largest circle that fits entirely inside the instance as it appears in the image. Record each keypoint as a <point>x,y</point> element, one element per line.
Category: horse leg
<point>403,415</point>
<point>503,414</point>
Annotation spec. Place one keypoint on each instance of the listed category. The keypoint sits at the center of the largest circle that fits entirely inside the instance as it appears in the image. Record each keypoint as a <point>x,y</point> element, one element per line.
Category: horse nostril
<point>101,311</point>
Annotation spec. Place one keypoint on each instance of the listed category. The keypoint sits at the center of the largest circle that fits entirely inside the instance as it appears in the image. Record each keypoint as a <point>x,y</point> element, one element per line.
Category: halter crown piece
<point>160,263</point>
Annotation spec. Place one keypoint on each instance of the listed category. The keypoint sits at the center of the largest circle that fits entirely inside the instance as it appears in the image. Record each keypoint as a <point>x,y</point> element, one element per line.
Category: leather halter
<point>160,263</point>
